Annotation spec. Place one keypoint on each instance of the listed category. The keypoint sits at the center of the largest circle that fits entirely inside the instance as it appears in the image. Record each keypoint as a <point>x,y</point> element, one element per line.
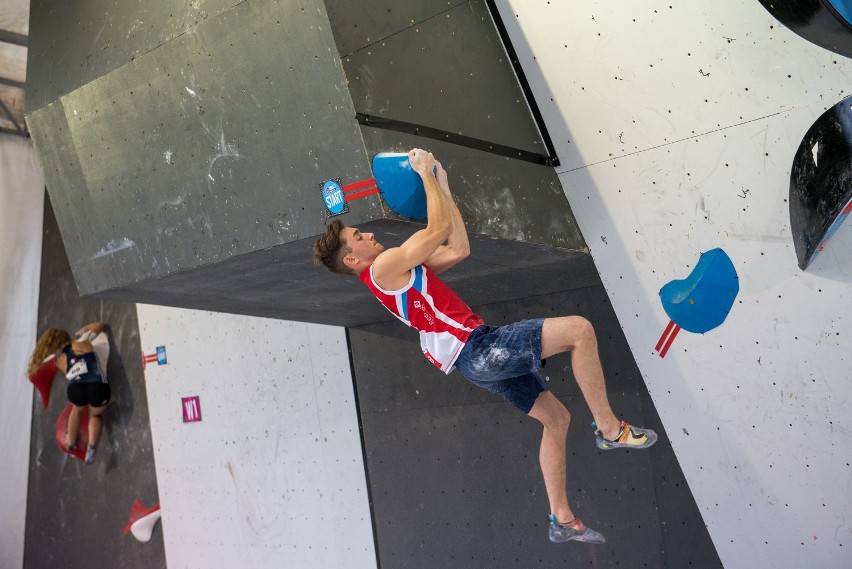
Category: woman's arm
<point>94,327</point>
<point>91,340</point>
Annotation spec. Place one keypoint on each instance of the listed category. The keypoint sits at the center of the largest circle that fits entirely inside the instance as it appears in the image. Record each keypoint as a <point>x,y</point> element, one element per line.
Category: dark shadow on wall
<point>76,513</point>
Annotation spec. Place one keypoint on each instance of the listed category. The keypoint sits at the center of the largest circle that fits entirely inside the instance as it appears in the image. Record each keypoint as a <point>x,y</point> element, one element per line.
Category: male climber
<point>505,359</point>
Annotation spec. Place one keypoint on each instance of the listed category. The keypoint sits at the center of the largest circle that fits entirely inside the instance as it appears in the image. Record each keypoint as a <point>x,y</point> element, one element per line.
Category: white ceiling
<point>14,18</point>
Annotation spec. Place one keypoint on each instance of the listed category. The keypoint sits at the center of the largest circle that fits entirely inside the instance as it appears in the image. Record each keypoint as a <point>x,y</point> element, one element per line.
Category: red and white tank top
<point>429,306</point>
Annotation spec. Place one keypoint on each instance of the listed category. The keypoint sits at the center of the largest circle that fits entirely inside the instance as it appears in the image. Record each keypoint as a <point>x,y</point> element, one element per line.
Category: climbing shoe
<point>574,530</point>
<point>628,437</point>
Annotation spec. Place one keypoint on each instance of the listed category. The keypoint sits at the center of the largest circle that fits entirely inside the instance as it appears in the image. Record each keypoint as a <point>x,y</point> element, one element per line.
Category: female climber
<point>83,361</point>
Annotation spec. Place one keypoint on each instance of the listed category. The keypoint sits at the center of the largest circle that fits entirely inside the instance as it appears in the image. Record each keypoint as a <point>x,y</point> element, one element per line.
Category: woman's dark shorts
<point>505,360</point>
<point>94,394</point>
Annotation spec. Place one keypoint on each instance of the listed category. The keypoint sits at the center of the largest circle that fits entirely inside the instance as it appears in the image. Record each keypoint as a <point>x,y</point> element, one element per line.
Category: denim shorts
<point>505,360</point>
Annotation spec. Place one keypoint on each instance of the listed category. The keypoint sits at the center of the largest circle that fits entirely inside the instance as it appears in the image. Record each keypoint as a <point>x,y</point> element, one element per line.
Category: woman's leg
<point>73,427</point>
<point>96,424</point>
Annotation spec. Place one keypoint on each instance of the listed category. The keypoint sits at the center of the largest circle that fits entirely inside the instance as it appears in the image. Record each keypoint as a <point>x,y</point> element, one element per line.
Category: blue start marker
<point>332,196</point>
<point>702,301</point>
<point>161,355</point>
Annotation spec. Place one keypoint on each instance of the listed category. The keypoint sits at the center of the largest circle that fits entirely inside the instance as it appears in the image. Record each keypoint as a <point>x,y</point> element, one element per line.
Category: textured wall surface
<point>201,149</point>
<point>76,512</point>
<point>676,126</point>
<point>273,473</point>
<point>454,469</point>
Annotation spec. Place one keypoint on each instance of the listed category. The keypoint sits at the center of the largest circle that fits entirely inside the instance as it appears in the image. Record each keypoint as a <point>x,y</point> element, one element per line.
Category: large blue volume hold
<point>401,187</point>
<point>701,301</point>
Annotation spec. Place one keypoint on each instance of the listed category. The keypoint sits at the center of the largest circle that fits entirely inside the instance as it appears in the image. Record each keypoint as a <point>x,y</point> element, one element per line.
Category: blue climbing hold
<point>703,300</point>
<point>401,187</point>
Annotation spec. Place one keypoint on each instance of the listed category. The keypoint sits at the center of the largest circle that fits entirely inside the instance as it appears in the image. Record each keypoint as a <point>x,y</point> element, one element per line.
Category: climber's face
<point>363,248</point>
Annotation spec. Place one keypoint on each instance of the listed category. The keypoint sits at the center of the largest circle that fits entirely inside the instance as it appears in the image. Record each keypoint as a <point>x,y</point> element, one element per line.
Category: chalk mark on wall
<point>114,246</point>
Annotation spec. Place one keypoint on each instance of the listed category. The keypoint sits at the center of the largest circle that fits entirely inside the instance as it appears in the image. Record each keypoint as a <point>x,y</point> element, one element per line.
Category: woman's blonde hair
<point>53,340</point>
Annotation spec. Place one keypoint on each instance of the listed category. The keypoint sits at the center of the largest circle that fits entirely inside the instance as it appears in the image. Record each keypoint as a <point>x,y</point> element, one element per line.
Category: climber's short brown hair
<point>330,249</point>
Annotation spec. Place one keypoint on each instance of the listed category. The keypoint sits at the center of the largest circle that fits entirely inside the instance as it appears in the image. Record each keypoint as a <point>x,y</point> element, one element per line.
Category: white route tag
<point>78,369</point>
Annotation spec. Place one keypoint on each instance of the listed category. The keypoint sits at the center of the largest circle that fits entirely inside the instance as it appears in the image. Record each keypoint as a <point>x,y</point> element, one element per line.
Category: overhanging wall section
<point>77,42</point>
<point>438,76</point>
<point>264,283</point>
<point>207,147</point>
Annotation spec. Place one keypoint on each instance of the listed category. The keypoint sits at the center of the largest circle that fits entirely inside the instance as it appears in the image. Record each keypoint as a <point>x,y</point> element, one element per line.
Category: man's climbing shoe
<point>574,530</point>
<point>628,437</point>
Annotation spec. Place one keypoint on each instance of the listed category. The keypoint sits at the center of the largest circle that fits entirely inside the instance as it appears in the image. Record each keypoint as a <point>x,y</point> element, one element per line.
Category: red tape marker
<point>358,185</point>
<point>359,195</point>
<point>367,187</point>
<point>663,337</point>
<point>148,359</point>
<point>665,342</point>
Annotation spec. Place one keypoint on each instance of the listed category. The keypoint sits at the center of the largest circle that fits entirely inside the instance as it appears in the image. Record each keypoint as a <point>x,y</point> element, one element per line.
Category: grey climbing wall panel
<point>75,513</point>
<point>360,23</point>
<point>448,72</point>
<point>253,284</point>
<point>77,42</point>
<point>497,196</point>
<point>454,471</point>
<point>203,149</point>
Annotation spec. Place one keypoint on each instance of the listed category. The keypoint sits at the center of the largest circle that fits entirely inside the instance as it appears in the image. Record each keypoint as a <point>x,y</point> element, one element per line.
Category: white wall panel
<point>21,217</point>
<point>273,474</point>
<point>628,76</point>
<point>670,156</point>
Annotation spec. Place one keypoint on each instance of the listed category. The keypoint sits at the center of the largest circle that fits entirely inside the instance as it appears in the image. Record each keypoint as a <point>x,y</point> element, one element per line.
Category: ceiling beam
<point>12,83</point>
<point>12,37</point>
<point>5,130</point>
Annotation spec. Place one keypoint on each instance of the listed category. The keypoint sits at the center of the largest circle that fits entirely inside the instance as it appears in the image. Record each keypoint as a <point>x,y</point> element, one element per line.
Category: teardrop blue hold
<point>401,187</point>
<point>702,301</point>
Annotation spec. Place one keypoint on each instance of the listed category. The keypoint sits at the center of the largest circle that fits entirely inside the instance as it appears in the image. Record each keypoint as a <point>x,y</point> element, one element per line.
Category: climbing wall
<point>76,512</point>
<point>193,143</point>
<point>195,155</point>
<point>676,126</point>
<point>257,444</point>
<point>454,469</point>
